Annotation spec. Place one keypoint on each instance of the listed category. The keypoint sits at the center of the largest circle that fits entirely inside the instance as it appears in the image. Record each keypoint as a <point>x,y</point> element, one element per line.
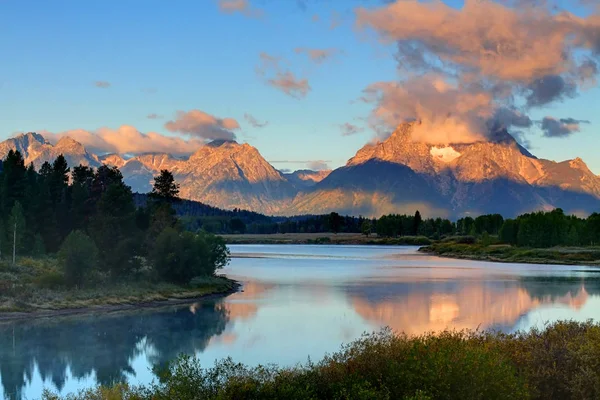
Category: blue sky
<point>161,57</point>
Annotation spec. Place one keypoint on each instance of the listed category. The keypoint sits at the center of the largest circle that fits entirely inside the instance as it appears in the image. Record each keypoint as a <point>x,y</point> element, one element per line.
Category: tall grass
<point>561,361</point>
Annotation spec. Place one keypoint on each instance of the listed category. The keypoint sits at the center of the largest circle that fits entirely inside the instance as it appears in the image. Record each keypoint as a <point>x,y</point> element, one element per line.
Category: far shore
<point>324,238</point>
<point>583,256</point>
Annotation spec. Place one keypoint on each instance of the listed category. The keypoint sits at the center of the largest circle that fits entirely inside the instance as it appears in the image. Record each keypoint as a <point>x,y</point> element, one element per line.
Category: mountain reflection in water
<point>292,307</point>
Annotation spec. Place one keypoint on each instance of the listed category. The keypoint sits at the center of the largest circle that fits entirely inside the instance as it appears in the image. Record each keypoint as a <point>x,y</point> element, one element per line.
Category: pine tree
<point>417,223</point>
<point>165,186</point>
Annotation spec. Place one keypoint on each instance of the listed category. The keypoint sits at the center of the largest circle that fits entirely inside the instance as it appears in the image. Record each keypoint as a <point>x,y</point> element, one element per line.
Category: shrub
<point>179,256</point>
<point>78,256</point>
<point>51,280</point>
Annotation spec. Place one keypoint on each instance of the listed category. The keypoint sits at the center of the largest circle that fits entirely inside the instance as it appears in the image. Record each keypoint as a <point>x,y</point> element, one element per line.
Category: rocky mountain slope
<point>37,150</point>
<point>398,175</point>
<point>305,178</point>
<point>224,174</point>
<point>455,179</point>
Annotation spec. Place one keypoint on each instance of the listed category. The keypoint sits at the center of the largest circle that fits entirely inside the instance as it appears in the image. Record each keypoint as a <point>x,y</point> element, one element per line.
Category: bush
<point>78,256</point>
<point>51,280</point>
<point>180,256</point>
<point>462,239</point>
<point>559,362</point>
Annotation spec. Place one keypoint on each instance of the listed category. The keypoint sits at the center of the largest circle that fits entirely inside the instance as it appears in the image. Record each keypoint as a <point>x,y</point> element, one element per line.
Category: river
<point>298,301</point>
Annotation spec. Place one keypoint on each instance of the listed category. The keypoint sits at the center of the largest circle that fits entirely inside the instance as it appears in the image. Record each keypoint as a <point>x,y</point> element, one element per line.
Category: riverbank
<point>560,362</point>
<point>325,238</point>
<point>117,299</point>
<point>589,256</point>
<point>34,288</point>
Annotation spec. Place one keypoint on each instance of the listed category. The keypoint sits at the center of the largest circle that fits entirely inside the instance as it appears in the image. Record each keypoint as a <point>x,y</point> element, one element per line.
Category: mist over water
<point>298,302</point>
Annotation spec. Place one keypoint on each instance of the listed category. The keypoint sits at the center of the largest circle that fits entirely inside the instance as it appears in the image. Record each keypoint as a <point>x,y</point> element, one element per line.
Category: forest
<point>89,220</point>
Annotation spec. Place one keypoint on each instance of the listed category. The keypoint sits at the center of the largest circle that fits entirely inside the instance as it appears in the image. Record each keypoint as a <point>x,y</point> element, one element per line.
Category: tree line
<point>88,217</point>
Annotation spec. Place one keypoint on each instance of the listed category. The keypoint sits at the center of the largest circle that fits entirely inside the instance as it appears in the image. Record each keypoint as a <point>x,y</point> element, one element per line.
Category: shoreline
<point>106,309</point>
<point>324,239</point>
<point>551,257</point>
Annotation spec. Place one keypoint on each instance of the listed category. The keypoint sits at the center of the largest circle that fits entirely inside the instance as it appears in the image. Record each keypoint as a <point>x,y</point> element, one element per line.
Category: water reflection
<point>435,307</point>
<point>103,347</point>
<point>297,302</point>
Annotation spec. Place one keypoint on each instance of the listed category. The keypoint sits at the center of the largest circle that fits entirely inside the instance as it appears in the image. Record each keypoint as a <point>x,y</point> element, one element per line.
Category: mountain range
<point>397,175</point>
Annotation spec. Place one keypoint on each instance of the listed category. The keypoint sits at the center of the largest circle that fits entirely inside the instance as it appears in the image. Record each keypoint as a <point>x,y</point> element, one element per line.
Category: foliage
<point>96,211</point>
<point>366,227</point>
<point>561,361</point>
<point>180,256</point>
<point>165,186</point>
<point>79,256</point>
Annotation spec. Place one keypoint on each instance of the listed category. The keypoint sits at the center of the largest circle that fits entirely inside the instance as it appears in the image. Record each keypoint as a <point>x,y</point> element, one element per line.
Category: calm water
<point>298,301</point>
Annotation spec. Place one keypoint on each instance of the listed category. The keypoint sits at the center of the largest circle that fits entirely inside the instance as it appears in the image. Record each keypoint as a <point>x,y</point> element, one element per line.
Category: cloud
<point>496,55</point>
<point>318,56</point>
<point>275,75</point>
<point>254,122</point>
<point>349,129</point>
<point>297,161</point>
<point>102,84</point>
<point>290,85</point>
<point>317,165</point>
<point>239,6</point>
<point>128,140</point>
<point>154,116</point>
<point>202,125</point>
<point>565,127</point>
<point>549,89</point>
<point>446,113</point>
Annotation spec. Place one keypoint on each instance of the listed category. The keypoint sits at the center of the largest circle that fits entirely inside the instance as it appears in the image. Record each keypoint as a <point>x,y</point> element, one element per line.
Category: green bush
<point>51,280</point>
<point>559,362</point>
<point>180,256</point>
<point>79,256</point>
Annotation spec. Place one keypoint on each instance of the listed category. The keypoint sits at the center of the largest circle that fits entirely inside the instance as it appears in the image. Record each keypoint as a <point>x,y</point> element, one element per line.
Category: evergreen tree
<point>417,223</point>
<point>13,183</point>
<point>335,222</point>
<point>165,186</point>
<point>79,256</point>
<point>114,230</point>
<point>366,228</point>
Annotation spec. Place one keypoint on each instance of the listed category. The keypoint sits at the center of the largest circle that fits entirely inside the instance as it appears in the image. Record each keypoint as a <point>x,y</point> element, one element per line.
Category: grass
<point>37,285</point>
<point>324,238</point>
<point>513,254</point>
<point>561,361</point>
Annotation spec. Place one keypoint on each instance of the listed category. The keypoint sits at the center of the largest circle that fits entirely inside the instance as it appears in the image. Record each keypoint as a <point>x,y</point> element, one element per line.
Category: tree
<point>236,225</point>
<point>180,256</point>
<point>335,222</point>
<point>417,223</point>
<point>508,232</point>
<point>165,186</point>
<point>78,256</point>
<point>113,229</point>
<point>13,184</point>
<point>16,228</point>
<point>366,228</point>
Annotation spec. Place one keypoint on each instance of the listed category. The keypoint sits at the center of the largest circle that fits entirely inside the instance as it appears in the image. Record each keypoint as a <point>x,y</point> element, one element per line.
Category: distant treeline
<point>55,201</point>
<point>539,229</point>
<point>88,217</point>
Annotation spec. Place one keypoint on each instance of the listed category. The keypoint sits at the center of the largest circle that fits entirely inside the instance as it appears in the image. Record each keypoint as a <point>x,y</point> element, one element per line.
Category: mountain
<point>397,175</point>
<point>37,150</point>
<point>304,178</point>
<point>401,174</point>
<point>224,174</point>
